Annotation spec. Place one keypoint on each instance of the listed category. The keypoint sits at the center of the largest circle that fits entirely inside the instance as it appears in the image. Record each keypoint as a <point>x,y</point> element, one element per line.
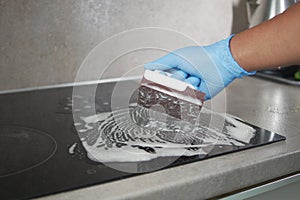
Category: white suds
<point>139,134</point>
<point>72,148</point>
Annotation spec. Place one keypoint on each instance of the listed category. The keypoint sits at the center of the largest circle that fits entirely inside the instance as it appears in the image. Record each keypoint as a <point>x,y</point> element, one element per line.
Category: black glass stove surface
<point>36,134</point>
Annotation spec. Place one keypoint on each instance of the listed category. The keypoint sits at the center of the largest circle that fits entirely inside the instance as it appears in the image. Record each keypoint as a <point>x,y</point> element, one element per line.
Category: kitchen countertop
<point>269,105</point>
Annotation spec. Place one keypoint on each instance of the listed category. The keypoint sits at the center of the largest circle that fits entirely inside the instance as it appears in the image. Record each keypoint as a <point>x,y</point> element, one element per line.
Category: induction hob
<point>41,151</point>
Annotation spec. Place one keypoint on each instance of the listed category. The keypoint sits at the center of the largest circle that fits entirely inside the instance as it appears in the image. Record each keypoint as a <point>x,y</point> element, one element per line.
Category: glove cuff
<point>225,56</point>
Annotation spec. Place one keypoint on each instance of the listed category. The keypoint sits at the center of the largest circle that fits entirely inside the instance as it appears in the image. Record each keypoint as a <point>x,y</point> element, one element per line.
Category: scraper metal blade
<point>178,99</point>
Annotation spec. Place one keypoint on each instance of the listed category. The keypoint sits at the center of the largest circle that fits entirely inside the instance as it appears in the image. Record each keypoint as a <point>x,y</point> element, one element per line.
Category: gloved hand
<point>209,68</point>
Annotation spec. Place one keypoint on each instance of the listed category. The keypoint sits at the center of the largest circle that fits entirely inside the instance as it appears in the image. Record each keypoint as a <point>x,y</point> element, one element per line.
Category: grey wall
<point>43,42</point>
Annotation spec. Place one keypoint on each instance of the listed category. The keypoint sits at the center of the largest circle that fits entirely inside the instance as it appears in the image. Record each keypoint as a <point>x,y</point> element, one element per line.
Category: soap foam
<point>72,148</point>
<point>141,134</point>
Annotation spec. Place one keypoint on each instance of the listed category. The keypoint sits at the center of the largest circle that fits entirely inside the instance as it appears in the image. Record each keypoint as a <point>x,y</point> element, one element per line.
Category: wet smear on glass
<point>65,106</point>
<point>141,134</point>
<point>76,151</point>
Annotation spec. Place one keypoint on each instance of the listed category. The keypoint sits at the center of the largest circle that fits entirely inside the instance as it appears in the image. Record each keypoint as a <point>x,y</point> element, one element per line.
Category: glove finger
<point>210,89</point>
<point>193,80</point>
<point>203,88</point>
<point>166,62</point>
<point>179,74</point>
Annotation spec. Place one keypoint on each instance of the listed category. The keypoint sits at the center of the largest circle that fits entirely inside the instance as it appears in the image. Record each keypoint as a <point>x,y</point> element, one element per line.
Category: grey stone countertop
<point>272,106</point>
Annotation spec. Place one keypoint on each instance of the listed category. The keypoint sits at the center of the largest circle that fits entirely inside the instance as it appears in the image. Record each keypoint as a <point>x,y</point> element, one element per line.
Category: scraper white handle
<point>166,80</point>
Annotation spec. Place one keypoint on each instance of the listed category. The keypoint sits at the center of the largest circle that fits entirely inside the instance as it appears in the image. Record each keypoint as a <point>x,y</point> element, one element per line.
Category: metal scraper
<point>178,99</point>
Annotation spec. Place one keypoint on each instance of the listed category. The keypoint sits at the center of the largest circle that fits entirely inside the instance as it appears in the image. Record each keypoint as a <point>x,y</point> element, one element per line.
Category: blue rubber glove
<point>209,68</point>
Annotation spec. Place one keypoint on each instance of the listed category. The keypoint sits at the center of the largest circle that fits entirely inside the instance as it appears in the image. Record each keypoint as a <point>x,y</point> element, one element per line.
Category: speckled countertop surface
<point>272,106</point>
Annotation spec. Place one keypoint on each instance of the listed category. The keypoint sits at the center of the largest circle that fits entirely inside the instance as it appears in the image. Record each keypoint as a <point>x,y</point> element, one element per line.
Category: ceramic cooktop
<point>46,149</point>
